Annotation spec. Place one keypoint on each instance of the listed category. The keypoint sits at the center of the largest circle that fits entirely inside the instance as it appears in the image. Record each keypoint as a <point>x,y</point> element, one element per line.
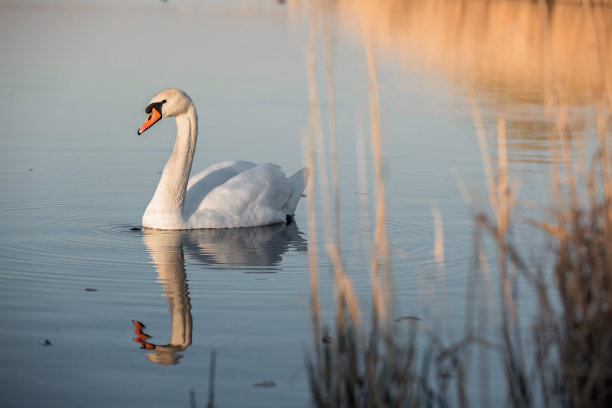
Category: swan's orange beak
<point>153,117</point>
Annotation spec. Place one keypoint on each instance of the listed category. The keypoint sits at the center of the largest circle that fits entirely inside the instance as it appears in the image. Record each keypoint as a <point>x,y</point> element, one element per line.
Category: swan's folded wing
<point>201,184</point>
<point>257,196</point>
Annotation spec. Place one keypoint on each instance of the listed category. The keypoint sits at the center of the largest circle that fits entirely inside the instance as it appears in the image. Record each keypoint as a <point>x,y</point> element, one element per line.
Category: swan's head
<point>169,102</point>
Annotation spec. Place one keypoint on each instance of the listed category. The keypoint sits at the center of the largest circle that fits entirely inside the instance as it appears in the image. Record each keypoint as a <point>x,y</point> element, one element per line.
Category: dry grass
<point>572,331</point>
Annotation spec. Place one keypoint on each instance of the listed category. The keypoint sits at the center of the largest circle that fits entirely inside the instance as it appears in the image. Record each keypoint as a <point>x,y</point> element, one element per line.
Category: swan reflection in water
<point>237,248</point>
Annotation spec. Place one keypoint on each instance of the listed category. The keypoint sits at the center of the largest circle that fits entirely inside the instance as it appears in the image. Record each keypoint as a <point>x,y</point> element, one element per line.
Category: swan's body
<point>231,194</point>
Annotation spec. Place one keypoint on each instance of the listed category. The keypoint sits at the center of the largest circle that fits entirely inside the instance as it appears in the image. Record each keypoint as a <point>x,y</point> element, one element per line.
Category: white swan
<point>230,194</point>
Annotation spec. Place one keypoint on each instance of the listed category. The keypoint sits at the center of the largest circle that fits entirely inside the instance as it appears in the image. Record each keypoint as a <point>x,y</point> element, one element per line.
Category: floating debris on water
<point>47,342</point>
<point>327,339</point>
<point>265,384</point>
<point>409,318</point>
<point>91,290</point>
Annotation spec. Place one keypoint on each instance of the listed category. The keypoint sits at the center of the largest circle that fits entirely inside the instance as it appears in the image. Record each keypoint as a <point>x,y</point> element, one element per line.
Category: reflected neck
<point>166,251</point>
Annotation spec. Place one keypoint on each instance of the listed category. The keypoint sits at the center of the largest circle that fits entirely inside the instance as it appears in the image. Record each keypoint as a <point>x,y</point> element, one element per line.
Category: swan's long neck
<point>166,205</point>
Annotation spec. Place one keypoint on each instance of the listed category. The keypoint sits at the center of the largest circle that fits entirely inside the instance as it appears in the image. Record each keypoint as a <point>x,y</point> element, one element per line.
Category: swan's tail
<point>298,182</point>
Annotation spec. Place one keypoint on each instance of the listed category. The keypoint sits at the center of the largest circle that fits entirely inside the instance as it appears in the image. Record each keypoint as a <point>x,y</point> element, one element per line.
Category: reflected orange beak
<point>153,117</point>
<point>140,335</point>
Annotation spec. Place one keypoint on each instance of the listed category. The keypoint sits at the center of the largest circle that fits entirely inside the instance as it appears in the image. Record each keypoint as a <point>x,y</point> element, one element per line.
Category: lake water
<point>76,270</point>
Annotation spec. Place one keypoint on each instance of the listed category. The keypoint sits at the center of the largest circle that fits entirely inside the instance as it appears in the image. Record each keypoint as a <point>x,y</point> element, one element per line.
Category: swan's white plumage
<point>230,194</point>
<point>238,194</point>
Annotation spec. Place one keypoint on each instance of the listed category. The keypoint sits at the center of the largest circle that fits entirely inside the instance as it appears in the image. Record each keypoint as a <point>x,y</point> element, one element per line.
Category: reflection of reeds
<point>524,43</point>
<point>510,52</point>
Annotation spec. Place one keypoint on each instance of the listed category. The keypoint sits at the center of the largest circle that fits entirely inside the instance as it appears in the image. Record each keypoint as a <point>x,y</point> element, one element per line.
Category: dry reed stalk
<point>502,199</point>
<point>380,255</point>
<point>437,297</point>
<point>331,111</point>
<point>362,176</point>
<point>482,323</point>
<point>340,286</point>
<point>438,249</point>
<point>310,160</point>
<point>345,292</point>
<point>315,121</point>
<point>501,196</point>
<point>505,202</point>
<point>482,145</point>
<point>313,254</point>
<point>438,256</point>
<point>520,391</point>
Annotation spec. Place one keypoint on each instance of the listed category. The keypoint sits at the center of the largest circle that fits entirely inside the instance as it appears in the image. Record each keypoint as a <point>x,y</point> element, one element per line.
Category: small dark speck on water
<point>281,1</point>
<point>265,384</point>
<point>135,229</point>
<point>411,318</point>
<point>47,342</point>
<point>91,290</point>
<point>327,339</point>
<point>30,169</point>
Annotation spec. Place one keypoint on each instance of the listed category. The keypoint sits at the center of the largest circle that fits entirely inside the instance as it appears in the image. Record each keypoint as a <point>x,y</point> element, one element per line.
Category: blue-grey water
<point>76,270</point>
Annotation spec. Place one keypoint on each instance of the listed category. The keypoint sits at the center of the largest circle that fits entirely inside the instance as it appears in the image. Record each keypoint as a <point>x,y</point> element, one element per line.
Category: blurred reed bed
<point>369,361</point>
<point>485,43</point>
<point>512,53</point>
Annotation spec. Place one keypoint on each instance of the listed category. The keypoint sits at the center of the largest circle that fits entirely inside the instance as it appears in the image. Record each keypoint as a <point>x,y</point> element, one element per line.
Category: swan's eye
<point>164,101</point>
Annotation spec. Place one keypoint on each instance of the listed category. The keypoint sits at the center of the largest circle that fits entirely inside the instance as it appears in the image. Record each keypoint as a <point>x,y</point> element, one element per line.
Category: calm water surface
<point>75,270</point>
